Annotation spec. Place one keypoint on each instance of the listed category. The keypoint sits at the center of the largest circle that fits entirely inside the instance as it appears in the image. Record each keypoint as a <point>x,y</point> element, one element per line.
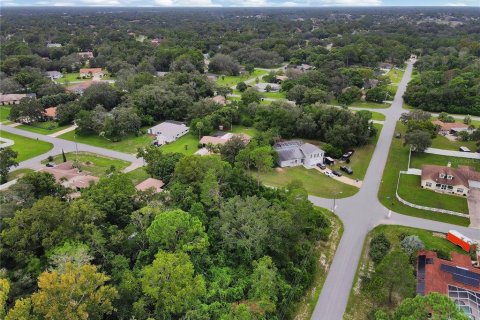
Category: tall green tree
<point>7,160</point>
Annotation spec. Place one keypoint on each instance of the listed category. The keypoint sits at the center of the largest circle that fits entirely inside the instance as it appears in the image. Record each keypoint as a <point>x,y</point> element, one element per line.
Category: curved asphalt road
<point>362,212</point>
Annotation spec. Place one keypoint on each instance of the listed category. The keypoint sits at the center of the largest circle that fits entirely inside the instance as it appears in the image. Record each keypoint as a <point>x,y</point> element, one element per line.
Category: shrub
<point>379,246</point>
<point>411,245</point>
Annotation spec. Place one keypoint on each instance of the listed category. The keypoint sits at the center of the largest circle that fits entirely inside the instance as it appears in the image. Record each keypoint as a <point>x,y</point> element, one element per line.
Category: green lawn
<point>252,132</point>
<point>371,105</point>
<point>188,144</point>
<point>378,116</point>
<point>398,160</point>
<point>360,160</point>
<point>229,81</point>
<point>47,127</point>
<point>410,190</point>
<point>315,182</point>
<point>138,175</point>
<point>275,95</point>
<point>4,113</point>
<point>74,77</point>
<point>328,248</point>
<point>442,142</point>
<point>15,174</point>
<point>360,304</point>
<point>27,148</point>
<point>129,144</point>
<point>395,75</point>
<point>96,164</point>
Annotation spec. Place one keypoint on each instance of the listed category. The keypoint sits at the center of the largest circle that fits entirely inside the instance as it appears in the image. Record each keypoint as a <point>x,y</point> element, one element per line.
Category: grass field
<point>138,175</point>
<point>410,190</point>
<point>442,142</point>
<point>47,127</point>
<point>378,116</point>
<point>4,113</point>
<point>129,144</point>
<point>275,95</point>
<point>15,174</point>
<point>328,248</point>
<point>74,77</point>
<point>398,160</point>
<point>371,105</point>
<point>360,160</point>
<point>395,75</point>
<point>96,164</point>
<point>360,303</point>
<point>188,144</point>
<point>230,81</point>
<point>315,182</point>
<point>27,148</point>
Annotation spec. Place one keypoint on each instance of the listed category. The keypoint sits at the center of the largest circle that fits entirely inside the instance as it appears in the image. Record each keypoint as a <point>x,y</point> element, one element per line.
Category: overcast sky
<point>237,3</point>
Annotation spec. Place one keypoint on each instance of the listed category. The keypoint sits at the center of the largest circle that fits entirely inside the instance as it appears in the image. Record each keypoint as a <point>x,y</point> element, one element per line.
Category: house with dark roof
<point>455,278</point>
<point>456,181</point>
<point>297,153</point>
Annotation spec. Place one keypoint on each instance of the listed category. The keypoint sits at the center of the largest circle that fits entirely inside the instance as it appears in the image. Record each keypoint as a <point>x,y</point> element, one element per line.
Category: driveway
<point>473,200</point>
<point>451,153</point>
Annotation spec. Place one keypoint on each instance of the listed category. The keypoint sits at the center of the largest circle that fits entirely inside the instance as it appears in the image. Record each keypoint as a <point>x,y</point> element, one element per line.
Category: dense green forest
<point>216,244</point>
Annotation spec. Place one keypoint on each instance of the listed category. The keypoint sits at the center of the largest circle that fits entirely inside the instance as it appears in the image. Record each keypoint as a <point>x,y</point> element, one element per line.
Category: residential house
<point>54,75</point>
<point>71,177</point>
<point>91,73</point>
<point>220,100</point>
<point>455,278</point>
<point>370,83</point>
<point>262,87</point>
<point>86,55</point>
<point>79,88</point>
<point>54,45</point>
<point>168,131</point>
<point>150,184</point>
<point>11,98</point>
<point>296,153</point>
<point>280,79</point>
<point>304,67</point>
<point>450,180</point>
<point>51,113</point>
<point>219,140</point>
<point>453,128</point>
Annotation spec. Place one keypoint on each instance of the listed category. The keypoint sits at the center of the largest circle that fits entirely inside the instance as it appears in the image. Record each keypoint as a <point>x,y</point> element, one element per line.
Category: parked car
<point>337,173</point>
<point>328,173</point>
<point>321,166</point>
<point>464,149</point>
<point>346,169</point>
<point>50,164</point>
<point>348,154</point>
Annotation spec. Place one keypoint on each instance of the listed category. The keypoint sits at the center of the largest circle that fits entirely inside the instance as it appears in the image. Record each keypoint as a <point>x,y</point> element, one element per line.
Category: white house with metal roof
<point>297,153</point>
<point>168,131</point>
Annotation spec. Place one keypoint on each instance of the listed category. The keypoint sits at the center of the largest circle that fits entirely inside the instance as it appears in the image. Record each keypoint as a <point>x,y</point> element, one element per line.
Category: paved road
<point>67,146</point>
<point>453,153</point>
<point>362,212</point>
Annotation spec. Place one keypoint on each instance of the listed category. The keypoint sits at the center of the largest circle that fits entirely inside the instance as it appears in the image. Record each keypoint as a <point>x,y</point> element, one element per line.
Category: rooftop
<point>149,183</point>
<point>461,176</point>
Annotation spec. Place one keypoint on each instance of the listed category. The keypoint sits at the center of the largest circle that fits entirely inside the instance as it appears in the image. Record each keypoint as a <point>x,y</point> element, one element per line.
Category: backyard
<point>4,113</point>
<point>360,304</point>
<point>73,77</point>
<point>315,182</point>
<point>138,175</point>
<point>95,164</point>
<point>27,148</point>
<point>398,160</point>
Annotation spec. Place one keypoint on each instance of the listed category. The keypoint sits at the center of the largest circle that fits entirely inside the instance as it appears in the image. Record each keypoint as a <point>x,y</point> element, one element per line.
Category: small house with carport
<point>296,153</point>
<point>150,184</point>
<point>54,75</point>
<point>91,73</point>
<point>86,55</point>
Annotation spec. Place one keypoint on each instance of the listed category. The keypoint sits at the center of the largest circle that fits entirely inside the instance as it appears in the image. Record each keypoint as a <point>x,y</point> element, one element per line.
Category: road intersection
<point>359,213</point>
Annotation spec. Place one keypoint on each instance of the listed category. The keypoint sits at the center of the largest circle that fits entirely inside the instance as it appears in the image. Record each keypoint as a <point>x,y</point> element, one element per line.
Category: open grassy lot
<point>360,160</point>
<point>410,190</point>
<point>96,164</point>
<point>188,144</point>
<point>47,127</point>
<point>138,175</point>
<point>360,304</point>
<point>395,75</point>
<point>378,116</point>
<point>442,142</point>
<point>313,181</point>
<point>15,174</point>
<point>27,148</point>
<point>4,113</point>
<point>326,251</point>
<point>371,105</point>
<point>75,77</point>
<point>398,160</point>
<point>230,81</point>
<point>128,144</point>
<point>275,95</point>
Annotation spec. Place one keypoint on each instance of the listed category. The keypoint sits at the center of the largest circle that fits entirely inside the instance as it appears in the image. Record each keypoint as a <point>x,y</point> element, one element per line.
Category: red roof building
<point>456,278</point>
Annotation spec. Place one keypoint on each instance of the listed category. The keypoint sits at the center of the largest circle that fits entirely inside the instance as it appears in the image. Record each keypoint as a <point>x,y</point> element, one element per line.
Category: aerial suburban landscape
<point>202,159</point>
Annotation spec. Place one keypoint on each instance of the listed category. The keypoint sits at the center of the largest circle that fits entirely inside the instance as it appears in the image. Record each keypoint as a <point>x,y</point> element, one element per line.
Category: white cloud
<point>348,3</point>
<point>290,4</point>
<point>186,3</point>
<point>455,4</point>
<point>63,4</point>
